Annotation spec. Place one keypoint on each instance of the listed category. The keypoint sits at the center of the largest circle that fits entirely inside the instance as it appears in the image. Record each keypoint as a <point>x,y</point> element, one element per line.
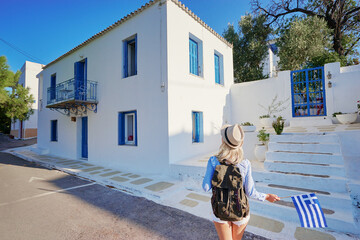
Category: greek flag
<point>309,211</point>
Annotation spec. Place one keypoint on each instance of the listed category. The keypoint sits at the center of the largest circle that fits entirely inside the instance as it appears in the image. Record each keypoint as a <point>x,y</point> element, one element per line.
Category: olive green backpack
<point>229,202</point>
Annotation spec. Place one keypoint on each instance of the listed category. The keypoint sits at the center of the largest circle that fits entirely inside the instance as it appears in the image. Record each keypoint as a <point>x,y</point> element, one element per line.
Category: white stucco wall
<point>342,96</point>
<point>189,93</point>
<point>116,94</point>
<point>29,80</point>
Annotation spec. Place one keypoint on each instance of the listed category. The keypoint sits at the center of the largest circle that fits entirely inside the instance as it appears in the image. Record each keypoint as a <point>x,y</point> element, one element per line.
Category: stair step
<point>305,157</point>
<point>305,168</point>
<point>332,201</point>
<point>305,138</point>
<point>329,184</point>
<point>340,221</point>
<point>326,148</point>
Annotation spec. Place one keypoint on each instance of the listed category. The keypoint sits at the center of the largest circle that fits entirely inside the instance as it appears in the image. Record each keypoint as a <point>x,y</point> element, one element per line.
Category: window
<point>54,131</point>
<point>218,66</point>
<point>195,55</point>
<point>130,56</point>
<point>197,127</point>
<point>128,128</point>
<point>53,87</point>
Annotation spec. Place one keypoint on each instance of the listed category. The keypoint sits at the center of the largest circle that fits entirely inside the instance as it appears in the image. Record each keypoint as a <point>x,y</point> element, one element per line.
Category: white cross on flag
<point>309,211</point>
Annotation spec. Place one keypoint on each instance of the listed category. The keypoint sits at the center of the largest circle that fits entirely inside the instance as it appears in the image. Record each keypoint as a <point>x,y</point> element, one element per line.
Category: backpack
<point>229,202</point>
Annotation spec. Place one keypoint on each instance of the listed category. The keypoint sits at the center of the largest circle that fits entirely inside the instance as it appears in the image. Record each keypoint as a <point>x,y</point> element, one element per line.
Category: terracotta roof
<point>132,14</point>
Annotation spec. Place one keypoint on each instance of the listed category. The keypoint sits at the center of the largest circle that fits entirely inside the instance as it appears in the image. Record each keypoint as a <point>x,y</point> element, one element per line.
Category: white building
<point>271,60</point>
<point>28,129</point>
<point>147,91</point>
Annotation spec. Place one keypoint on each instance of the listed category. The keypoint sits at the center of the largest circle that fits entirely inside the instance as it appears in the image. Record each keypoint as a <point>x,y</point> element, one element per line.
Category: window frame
<point>197,127</point>
<point>53,86</point>
<point>221,68</point>
<point>199,57</point>
<point>127,56</point>
<point>122,128</point>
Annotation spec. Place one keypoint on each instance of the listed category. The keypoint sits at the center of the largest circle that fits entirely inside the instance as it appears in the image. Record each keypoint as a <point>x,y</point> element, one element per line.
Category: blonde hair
<point>230,155</point>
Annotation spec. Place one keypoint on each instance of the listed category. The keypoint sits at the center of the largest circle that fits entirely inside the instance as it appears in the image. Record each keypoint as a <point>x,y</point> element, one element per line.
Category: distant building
<point>271,60</point>
<point>150,90</point>
<point>28,129</point>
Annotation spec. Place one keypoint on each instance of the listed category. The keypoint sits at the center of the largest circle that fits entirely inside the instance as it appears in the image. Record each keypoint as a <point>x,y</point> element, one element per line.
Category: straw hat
<point>232,135</point>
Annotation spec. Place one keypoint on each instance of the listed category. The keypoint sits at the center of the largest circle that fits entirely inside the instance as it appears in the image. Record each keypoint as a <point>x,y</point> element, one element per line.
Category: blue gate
<point>308,92</point>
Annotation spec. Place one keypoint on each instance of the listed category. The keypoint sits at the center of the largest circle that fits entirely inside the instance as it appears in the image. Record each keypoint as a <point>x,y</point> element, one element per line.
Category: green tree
<point>301,41</point>
<point>249,47</point>
<point>15,100</point>
<point>341,16</point>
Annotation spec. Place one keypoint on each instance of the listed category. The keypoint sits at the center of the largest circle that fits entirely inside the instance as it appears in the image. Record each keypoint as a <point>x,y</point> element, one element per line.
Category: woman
<point>231,152</point>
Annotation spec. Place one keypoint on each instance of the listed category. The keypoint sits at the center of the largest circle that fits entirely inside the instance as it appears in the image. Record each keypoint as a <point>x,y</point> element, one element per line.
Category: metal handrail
<point>68,90</point>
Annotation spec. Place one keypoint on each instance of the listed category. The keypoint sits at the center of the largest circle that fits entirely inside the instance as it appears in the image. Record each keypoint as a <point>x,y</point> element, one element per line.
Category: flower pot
<point>260,150</point>
<point>347,118</point>
<point>248,128</point>
<point>267,122</point>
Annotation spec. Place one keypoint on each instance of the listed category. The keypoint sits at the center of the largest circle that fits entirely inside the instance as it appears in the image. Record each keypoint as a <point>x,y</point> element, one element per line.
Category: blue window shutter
<point>193,55</point>
<point>121,128</point>
<point>135,128</point>
<point>53,130</point>
<point>53,87</point>
<point>125,59</point>
<point>136,54</point>
<point>197,127</point>
<point>217,68</point>
<point>85,79</point>
<point>201,127</point>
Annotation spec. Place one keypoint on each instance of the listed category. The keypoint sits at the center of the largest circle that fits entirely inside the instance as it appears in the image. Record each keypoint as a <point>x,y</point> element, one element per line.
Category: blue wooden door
<point>80,75</point>
<point>84,137</point>
<point>308,92</point>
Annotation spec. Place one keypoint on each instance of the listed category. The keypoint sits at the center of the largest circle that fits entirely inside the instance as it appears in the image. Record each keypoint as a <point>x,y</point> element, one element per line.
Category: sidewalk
<point>170,192</point>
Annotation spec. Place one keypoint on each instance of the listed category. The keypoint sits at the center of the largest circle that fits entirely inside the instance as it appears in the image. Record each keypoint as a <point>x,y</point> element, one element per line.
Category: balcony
<point>73,97</point>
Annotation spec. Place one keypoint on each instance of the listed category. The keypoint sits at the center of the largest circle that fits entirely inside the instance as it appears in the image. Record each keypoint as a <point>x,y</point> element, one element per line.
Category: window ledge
<point>132,76</point>
<point>197,76</point>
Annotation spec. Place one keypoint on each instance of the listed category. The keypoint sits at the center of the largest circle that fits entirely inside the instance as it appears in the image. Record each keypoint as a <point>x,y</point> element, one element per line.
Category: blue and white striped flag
<point>309,211</point>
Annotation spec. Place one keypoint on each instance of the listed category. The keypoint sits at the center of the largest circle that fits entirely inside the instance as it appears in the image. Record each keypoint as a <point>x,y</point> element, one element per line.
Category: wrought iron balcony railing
<point>72,90</point>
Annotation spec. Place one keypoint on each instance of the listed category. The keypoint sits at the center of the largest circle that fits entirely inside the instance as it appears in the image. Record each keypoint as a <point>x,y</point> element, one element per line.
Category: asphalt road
<point>40,203</point>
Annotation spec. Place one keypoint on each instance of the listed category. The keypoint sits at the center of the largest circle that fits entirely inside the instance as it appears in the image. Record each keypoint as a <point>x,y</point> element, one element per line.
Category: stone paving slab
<point>305,234</point>
<point>189,203</point>
<point>119,179</point>
<point>141,181</point>
<point>110,174</point>
<point>266,223</point>
<point>198,197</point>
<point>157,187</point>
<point>92,169</point>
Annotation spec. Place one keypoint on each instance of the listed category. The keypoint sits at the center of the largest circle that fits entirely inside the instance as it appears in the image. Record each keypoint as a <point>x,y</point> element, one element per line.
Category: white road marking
<point>35,178</point>
<point>45,194</point>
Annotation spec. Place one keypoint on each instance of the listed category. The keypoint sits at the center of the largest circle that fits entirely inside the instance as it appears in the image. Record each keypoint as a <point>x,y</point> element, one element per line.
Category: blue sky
<point>46,29</point>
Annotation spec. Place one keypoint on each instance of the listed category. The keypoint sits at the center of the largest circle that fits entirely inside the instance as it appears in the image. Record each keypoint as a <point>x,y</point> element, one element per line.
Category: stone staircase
<point>304,163</point>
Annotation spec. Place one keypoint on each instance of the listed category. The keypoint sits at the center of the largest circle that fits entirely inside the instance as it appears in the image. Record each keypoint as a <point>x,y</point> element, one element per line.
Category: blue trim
<point>121,128</point>
<point>198,131</point>
<point>53,131</point>
<point>217,68</point>
<point>308,92</point>
<point>126,57</point>
<point>84,137</point>
<point>53,87</point>
<point>194,57</point>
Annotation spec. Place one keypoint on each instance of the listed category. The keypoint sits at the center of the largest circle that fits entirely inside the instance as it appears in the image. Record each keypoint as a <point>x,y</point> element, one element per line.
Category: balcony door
<point>80,75</point>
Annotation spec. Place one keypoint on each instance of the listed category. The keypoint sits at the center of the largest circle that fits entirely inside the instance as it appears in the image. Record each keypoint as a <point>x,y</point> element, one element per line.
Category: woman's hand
<point>272,197</point>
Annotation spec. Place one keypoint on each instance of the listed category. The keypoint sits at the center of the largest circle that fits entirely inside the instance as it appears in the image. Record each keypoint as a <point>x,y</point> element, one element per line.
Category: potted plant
<point>275,107</point>
<point>278,125</point>
<point>345,118</point>
<point>261,148</point>
<point>248,127</point>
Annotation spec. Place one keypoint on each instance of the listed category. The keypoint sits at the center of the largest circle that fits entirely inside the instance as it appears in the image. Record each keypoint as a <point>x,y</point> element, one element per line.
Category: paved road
<point>40,203</point>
